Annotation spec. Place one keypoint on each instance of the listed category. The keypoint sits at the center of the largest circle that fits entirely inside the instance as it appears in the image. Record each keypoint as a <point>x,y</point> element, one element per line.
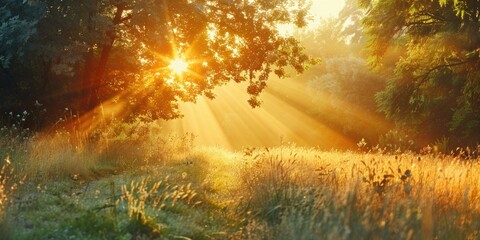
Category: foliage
<point>434,90</point>
<point>18,21</point>
<point>346,92</point>
<point>396,141</point>
<point>343,88</point>
<point>80,54</point>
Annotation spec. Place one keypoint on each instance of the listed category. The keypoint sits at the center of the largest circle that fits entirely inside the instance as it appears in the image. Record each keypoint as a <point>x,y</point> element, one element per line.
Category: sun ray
<point>230,122</point>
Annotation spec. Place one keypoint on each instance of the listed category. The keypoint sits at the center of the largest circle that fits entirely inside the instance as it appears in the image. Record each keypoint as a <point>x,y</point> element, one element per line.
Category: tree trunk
<point>87,77</point>
<point>87,81</point>
<point>95,80</point>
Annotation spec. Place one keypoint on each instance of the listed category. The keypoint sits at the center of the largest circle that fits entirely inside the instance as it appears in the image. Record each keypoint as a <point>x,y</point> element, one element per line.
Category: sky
<point>326,8</point>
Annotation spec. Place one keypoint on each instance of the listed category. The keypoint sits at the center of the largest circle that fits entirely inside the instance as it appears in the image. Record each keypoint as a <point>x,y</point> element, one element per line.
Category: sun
<point>178,66</point>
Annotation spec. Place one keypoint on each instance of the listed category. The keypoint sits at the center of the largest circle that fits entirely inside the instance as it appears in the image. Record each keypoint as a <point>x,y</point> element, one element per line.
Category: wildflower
<point>74,177</point>
<point>25,112</point>
<point>362,143</point>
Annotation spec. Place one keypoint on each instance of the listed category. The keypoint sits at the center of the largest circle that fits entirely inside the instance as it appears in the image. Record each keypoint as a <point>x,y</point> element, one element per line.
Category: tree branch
<point>425,75</point>
<point>420,22</point>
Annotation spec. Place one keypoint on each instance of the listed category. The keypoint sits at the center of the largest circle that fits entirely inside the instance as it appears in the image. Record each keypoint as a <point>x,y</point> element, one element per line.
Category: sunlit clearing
<point>178,66</point>
<point>228,121</point>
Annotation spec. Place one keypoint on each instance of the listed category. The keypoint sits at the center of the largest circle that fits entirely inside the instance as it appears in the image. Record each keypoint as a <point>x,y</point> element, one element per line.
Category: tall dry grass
<point>285,192</point>
<point>114,147</point>
<point>296,193</point>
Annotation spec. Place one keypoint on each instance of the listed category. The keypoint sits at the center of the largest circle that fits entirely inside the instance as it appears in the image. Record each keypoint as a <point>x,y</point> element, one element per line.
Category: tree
<point>435,91</point>
<point>85,53</point>
<point>343,87</point>
<point>347,94</point>
<point>17,26</point>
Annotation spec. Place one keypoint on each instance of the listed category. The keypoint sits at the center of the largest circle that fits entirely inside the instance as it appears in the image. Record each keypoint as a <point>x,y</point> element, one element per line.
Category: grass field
<point>152,187</point>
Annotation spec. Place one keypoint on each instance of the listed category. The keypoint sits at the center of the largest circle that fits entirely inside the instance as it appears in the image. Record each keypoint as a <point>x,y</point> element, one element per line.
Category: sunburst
<point>178,66</point>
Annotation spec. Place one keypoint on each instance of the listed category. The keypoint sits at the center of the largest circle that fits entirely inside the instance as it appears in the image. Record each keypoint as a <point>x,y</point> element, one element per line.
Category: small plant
<point>145,199</point>
<point>9,183</point>
<point>248,151</point>
<point>466,153</point>
<point>13,133</point>
<point>362,145</point>
<point>396,141</point>
<point>442,145</point>
<point>381,180</point>
<point>377,182</point>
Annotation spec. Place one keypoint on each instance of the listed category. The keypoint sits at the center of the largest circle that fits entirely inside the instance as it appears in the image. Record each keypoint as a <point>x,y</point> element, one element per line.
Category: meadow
<point>134,183</point>
<point>109,128</point>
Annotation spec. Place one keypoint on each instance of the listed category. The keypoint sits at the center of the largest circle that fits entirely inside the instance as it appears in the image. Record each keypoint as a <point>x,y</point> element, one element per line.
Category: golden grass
<point>302,193</point>
<point>56,157</point>
<point>285,192</point>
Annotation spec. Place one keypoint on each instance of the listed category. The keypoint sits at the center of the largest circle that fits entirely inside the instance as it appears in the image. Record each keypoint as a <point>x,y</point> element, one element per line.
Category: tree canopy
<point>80,54</point>
<point>435,89</point>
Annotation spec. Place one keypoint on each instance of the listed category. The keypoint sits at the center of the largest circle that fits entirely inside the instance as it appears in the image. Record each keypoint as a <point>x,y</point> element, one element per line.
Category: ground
<point>284,192</point>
